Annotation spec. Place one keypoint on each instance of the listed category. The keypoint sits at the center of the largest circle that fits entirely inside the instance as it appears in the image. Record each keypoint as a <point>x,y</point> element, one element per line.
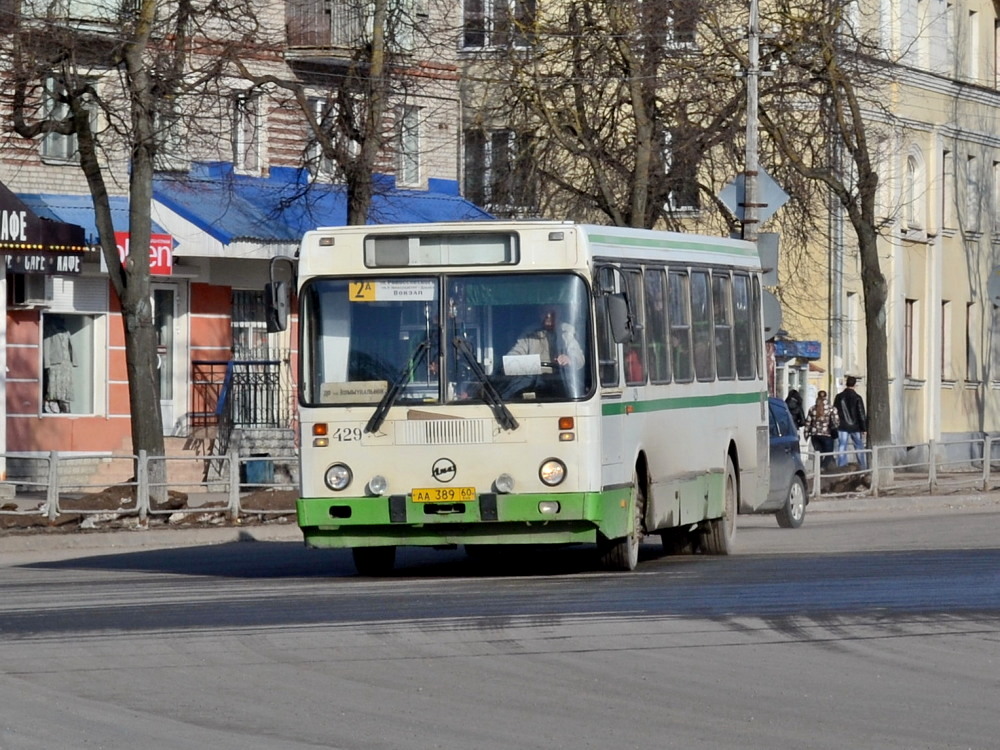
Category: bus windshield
<point>525,337</point>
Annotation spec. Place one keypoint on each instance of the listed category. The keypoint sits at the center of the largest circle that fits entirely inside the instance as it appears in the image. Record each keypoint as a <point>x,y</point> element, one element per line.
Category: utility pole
<point>750,172</point>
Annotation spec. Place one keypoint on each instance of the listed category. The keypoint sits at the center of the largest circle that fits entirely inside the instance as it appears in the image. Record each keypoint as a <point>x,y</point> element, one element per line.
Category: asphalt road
<point>859,630</point>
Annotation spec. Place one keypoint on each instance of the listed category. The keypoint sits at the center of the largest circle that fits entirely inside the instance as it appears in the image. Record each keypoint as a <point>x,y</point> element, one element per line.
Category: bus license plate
<point>444,495</point>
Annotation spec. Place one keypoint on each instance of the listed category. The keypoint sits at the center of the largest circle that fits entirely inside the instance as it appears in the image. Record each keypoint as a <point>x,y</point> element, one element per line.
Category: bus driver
<point>555,344</point>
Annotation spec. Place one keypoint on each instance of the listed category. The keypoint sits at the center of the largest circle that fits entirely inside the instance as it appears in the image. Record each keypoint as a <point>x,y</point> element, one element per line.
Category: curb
<point>137,539</point>
<point>908,502</point>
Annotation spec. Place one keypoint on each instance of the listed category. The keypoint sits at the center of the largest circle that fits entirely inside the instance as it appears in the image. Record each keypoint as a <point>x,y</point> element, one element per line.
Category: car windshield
<point>433,339</point>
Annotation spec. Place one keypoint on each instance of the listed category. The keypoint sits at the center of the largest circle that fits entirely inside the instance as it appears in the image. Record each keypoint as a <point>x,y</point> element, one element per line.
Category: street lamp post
<point>750,173</point>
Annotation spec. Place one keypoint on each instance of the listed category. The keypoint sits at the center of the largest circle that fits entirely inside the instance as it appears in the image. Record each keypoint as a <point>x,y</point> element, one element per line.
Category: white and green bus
<point>499,384</point>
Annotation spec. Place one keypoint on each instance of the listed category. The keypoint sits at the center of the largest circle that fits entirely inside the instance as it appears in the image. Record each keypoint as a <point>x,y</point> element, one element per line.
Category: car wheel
<point>793,512</point>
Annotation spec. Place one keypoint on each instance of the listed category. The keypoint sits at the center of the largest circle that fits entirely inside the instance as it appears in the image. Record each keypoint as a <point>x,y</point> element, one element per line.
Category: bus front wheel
<point>623,554</point>
<point>720,533</point>
<point>374,561</point>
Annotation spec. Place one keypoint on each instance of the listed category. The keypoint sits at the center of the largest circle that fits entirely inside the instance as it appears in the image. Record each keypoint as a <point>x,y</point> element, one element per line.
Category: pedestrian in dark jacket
<point>794,401</point>
<point>853,423</point>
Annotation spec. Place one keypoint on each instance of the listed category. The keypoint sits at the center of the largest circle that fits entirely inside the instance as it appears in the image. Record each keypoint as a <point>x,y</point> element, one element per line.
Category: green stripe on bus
<point>672,245</point>
<point>682,402</point>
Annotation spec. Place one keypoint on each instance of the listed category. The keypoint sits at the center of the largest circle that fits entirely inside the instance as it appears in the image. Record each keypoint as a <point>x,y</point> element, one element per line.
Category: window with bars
<point>250,339</point>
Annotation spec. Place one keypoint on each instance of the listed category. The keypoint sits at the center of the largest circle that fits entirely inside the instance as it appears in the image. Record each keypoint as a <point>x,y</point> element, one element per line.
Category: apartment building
<point>230,193</point>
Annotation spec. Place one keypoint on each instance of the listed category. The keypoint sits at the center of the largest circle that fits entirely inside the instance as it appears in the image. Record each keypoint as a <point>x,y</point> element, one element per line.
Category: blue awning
<point>79,210</point>
<point>285,205</point>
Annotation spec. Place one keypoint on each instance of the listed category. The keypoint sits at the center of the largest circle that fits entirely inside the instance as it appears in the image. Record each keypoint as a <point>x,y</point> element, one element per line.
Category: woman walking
<point>821,429</point>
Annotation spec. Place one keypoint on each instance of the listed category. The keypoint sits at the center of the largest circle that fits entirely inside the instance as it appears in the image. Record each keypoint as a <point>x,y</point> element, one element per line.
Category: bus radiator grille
<point>445,432</point>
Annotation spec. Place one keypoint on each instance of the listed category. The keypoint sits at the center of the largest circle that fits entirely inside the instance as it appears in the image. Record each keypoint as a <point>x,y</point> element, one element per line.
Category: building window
<point>250,339</point>
<point>851,318</point>
<point>498,172</point>
<point>995,345</point>
<point>498,23</point>
<point>971,365</point>
<point>948,189</point>
<point>945,340</point>
<point>909,336</point>
<point>408,146</point>
<point>972,47</point>
<point>247,133</point>
<point>995,207</point>
<point>171,149</point>
<point>57,147</point>
<point>681,22</point>
<point>910,193</point>
<point>68,379</point>
<point>323,161</point>
<point>972,193</point>
<point>680,166</point>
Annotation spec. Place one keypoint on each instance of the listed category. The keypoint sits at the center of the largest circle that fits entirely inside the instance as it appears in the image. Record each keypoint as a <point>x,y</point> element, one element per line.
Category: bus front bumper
<point>492,518</point>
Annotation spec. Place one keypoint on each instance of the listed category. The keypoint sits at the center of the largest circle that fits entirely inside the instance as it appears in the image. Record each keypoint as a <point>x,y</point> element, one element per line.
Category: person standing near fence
<point>850,409</point>
<point>821,428</point>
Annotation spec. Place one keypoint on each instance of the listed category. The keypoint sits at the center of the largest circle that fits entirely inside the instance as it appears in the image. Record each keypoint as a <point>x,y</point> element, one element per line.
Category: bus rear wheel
<point>374,561</point>
<point>623,554</point>
<point>720,533</point>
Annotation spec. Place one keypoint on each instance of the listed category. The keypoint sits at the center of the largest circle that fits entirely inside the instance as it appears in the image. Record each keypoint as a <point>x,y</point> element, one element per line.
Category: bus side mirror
<point>277,301</point>
<point>621,324</point>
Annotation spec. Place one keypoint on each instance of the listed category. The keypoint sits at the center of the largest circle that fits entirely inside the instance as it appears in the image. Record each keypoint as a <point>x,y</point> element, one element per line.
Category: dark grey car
<point>788,475</point>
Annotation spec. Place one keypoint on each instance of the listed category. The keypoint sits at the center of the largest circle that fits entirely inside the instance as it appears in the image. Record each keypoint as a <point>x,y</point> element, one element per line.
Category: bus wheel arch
<point>623,554</point>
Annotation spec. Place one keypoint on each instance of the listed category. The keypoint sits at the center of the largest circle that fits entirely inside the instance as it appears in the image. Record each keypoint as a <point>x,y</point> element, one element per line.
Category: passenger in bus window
<point>554,342</point>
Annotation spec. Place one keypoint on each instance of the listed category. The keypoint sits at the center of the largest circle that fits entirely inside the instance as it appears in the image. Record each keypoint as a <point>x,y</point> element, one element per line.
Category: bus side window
<point>723,315</point>
<point>635,366</point>
<point>743,328</point>
<point>701,326</point>
<point>656,326</point>
<point>607,350</point>
<point>680,326</point>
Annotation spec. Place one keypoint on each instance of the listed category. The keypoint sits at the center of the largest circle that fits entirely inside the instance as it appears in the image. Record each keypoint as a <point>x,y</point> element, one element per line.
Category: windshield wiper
<point>490,394</point>
<point>392,393</point>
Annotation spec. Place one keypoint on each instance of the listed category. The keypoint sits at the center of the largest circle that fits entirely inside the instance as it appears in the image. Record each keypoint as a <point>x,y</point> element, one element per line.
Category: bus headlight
<point>377,485</point>
<point>338,477</point>
<point>552,472</point>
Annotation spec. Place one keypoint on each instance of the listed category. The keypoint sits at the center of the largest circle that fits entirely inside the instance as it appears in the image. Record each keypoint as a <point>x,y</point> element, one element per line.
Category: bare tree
<point>119,82</point>
<point>347,101</point>
<point>621,105</point>
<point>823,112</point>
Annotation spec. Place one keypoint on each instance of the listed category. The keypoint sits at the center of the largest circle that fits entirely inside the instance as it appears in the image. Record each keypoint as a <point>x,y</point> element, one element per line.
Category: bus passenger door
<point>612,397</point>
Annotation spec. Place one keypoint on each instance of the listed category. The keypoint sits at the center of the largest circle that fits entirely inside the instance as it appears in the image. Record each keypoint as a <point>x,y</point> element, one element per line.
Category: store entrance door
<point>169,307</point>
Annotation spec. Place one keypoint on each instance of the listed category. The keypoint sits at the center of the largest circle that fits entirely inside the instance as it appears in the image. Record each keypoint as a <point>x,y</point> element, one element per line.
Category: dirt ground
<point>115,508</point>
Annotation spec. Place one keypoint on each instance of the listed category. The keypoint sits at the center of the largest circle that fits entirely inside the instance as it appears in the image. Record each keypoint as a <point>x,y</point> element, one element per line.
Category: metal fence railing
<point>931,468</point>
<point>54,485</point>
<point>50,486</point>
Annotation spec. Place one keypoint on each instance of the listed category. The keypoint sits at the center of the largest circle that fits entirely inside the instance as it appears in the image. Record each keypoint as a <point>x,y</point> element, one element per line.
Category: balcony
<point>320,29</point>
<point>324,31</point>
<point>99,16</point>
